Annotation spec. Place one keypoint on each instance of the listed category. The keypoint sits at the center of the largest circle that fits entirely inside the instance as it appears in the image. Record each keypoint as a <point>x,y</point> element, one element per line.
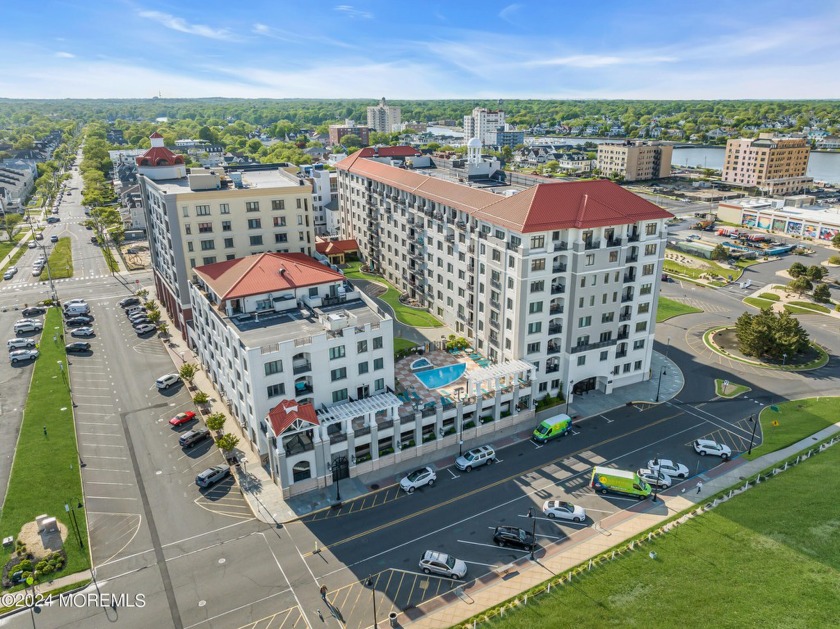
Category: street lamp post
<point>72,514</point>
<point>533,530</point>
<point>752,435</point>
<point>784,359</point>
<point>569,395</point>
<point>337,480</point>
<point>369,583</point>
<point>458,392</point>
<point>658,472</point>
<point>659,386</point>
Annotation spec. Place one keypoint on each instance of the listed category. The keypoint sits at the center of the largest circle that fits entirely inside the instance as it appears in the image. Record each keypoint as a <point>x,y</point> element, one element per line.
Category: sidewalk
<point>593,541</point>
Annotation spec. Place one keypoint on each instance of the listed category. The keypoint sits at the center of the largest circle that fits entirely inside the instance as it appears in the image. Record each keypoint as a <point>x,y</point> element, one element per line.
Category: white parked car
<point>436,562</point>
<point>418,478</point>
<point>164,382</point>
<point>666,466</point>
<point>20,355</point>
<point>20,343</point>
<point>564,511</point>
<point>145,328</point>
<point>707,446</point>
<point>662,480</point>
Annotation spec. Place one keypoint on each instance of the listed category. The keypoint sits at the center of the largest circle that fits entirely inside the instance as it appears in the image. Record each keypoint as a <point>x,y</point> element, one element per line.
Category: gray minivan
<point>189,439</point>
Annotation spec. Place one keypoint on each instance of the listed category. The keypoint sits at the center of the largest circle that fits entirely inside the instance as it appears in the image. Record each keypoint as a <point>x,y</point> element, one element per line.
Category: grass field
<point>404,314</point>
<point>707,266</point>
<point>758,302</point>
<point>797,419</point>
<point>45,474</point>
<point>732,567</point>
<point>60,261</point>
<point>769,296</point>
<point>669,308</point>
<point>403,344</point>
<point>730,390</point>
<point>807,306</point>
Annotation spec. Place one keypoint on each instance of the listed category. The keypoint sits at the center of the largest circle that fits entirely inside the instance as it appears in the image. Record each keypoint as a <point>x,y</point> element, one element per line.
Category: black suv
<point>513,536</point>
<point>129,301</point>
<point>33,311</point>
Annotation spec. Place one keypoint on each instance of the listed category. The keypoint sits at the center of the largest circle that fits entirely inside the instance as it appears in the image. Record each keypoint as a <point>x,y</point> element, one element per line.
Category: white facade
<point>324,200</point>
<point>384,118</point>
<point>483,124</point>
<point>258,350</point>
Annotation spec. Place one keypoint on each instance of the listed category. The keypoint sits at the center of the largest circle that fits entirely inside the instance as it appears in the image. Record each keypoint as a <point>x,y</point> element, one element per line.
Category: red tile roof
<point>332,247</point>
<point>158,156</point>
<point>287,412</point>
<point>265,273</point>
<point>543,207</point>
<point>155,135</point>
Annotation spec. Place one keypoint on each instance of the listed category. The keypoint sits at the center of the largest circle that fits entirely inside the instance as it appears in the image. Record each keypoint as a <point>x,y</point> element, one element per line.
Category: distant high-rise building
<point>484,124</point>
<point>772,164</point>
<point>338,131</point>
<point>635,161</point>
<point>383,118</point>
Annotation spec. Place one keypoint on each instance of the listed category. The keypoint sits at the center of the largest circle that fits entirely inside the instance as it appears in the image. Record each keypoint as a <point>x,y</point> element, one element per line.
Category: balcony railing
<point>552,368</point>
<point>555,309</point>
<point>625,317</point>
<point>621,354</point>
<point>590,346</point>
<point>633,238</point>
<point>558,268</point>
<point>629,277</point>
<point>592,244</point>
<point>554,349</point>
<point>561,245</point>
<point>555,329</point>
<point>304,390</point>
<point>614,242</point>
<point>558,289</point>
<point>621,336</point>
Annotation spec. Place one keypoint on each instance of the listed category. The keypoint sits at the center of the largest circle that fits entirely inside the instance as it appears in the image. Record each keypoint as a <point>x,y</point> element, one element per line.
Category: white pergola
<point>368,406</point>
<point>497,373</point>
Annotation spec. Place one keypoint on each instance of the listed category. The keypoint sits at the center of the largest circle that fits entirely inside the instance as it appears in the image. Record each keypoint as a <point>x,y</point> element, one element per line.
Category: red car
<point>182,418</point>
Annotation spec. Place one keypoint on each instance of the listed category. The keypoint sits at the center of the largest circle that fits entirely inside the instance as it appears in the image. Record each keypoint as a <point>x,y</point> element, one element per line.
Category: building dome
<point>474,143</point>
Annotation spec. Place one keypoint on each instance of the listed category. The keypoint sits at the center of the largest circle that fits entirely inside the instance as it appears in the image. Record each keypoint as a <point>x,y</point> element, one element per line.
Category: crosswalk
<point>23,283</point>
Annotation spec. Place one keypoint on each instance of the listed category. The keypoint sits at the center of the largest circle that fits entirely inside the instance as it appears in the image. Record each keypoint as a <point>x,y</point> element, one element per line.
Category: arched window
<point>301,471</point>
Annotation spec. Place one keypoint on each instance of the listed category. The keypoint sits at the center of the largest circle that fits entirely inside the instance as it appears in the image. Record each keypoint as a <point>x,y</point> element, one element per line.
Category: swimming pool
<point>420,363</point>
<point>440,377</point>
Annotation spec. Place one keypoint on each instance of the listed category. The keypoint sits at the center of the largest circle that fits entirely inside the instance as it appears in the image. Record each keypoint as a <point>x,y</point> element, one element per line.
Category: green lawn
<point>758,302</point>
<point>45,474</point>
<point>404,314</point>
<point>669,308</point>
<point>796,420</point>
<point>708,266</point>
<point>769,296</point>
<point>730,390</point>
<point>110,260</point>
<point>747,563</point>
<point>807,306</point>
<point>403,344</point>
<point>60,261</point>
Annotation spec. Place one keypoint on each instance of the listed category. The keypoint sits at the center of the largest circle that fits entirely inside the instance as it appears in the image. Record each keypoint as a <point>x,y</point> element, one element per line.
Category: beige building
<point>635,160</point>
<point>773,165</point>
<point>384,118</point>
<point>200,216</point>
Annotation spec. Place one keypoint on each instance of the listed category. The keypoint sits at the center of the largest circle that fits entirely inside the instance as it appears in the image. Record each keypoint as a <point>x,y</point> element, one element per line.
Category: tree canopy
<point>770,335</point>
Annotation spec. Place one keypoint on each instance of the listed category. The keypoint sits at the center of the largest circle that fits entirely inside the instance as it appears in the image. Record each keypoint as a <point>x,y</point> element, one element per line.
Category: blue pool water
<point>440,377</point>
<point>420,363</point>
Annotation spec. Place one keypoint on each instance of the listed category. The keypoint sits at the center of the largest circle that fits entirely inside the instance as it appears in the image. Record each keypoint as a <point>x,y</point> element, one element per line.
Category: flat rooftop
<point>251,180</point>
<point>459,176</point>
<point>277,327</point>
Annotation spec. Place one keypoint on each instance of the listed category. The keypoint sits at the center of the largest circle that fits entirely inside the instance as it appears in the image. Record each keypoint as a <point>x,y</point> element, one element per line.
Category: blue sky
<point>368,49</point>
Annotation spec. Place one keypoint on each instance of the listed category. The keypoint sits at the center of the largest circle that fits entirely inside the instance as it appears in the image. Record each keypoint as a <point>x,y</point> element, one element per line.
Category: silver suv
<point>707,446</point>
<point>443,564</point>
<point>475,458</point>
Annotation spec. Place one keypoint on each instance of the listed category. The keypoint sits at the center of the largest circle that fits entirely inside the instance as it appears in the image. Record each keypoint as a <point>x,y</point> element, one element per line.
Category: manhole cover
<point>374,486</point>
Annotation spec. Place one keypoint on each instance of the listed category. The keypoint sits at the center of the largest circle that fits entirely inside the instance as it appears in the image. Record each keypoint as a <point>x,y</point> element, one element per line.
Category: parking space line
<point>466,541</point>
<point>98,456</point>
<point>108,498</point>
<point>98,482</point>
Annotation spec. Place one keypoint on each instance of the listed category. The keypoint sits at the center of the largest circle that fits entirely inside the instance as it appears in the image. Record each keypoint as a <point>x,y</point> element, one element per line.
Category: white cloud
<point>64,55</point>
<point>353,12</point>
<point>264,30</point>
<point>181,25</point>
<point>508,12</point>
<point>597,61</point>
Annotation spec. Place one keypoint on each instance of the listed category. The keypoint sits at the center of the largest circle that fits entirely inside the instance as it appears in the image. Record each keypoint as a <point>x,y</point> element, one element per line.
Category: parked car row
<point>137,315</point>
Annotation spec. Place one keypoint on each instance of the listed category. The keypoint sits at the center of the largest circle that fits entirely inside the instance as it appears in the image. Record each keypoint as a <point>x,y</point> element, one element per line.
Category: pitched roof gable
<point>287,412</point>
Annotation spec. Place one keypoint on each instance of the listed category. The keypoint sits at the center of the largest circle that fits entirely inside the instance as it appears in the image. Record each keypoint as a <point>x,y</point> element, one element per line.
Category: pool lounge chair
<point>414,396</point>
<point>475,356</point>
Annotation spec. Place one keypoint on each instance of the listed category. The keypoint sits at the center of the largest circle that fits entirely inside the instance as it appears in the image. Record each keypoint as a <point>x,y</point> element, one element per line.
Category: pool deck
<point>409,382</point>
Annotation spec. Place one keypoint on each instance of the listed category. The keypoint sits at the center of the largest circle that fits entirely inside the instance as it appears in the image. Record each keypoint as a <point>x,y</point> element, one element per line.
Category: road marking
<point>94,482</point>
<point>496,546</point>
<point>96,456</point>
<point>454,475</point>
<point>108,498</point>
<point>609,421</point>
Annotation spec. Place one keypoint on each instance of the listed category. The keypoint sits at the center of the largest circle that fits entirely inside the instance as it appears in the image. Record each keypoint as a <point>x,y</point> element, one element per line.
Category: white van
<point>74,310</point>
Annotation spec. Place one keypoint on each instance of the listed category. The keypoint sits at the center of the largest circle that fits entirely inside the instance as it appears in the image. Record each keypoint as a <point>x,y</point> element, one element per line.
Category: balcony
<point>614,242</point>
<point>590,346</point>
<point>629,277</point>
<point>299,368</point>
<point>626,298</point>
<point>633,238</point>
<point>554,349</point>
<point>558,268</point>
<point>494,324</point>
<point>632,258</point>
<point>561,245</point>
<point>496,284</point>
<point>555,309</point>
<point>624,317</point>
<point>552,368</point>
<point>592,244</point>
<point>302,389</point>
<point>621,354</point>
<point>495,304</point>
<point>555,329</point>
<point>558,289</point>
<point>622,335</point>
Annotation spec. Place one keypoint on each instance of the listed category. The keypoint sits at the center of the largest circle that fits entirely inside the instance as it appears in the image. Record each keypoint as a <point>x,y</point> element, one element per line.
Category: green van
<point>556,426</point>
<point>606,479</point>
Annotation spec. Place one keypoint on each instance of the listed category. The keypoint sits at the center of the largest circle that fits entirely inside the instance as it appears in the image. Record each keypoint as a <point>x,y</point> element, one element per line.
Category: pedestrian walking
<point>45,431</point>
<point>699,486</point>
<point>324,592</point>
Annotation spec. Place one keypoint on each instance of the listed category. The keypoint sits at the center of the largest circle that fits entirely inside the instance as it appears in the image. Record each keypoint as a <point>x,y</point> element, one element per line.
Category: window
<point>254,223</point>
<point>378,363</point>
<point>613,256</point>
<point>379,384</point>
<point>338,374</point>
<point>537,242</point>
<point>207,245</point>
<point>607,317</point>
<point>641,326</point>
<point>274,390</point>
<point>637,365</point>
<point>533,348</point>
<point>337,352</point>
<point>535,307</point>
<point>297,201</point>
<point>361,347</point>
<point>650,229</point>
<point>534,328</point>
<point>279,221</point>
<point>363,368</point>
<point>590,259</point>
<point>209,260</point>
<point>650,250</point>
<point>643,308</point>
<point>538,264</point>
<point>639,344</point>
<point>228,243</point>
<point>583,282</point>
<point>256,241</point>
<point>226,226</point>
<point>187,229</point>
<point>584,322</point>
<point>252,206</point>
<point>645,289</point>
<point>537,287</point>
<point>278,204</point>
<point>647,269</point>
<point>274,366</point>
<point>581,360</point>
<point>605,355</point>
<point>224,208</point>
<point>281,238</point>
<point>496,255</point>
<point>202,210</point>
<point>377,342</point>
<point>205,228</point>
<point>185,210</point>
<point>339,396</point>
<point>189,246</point>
